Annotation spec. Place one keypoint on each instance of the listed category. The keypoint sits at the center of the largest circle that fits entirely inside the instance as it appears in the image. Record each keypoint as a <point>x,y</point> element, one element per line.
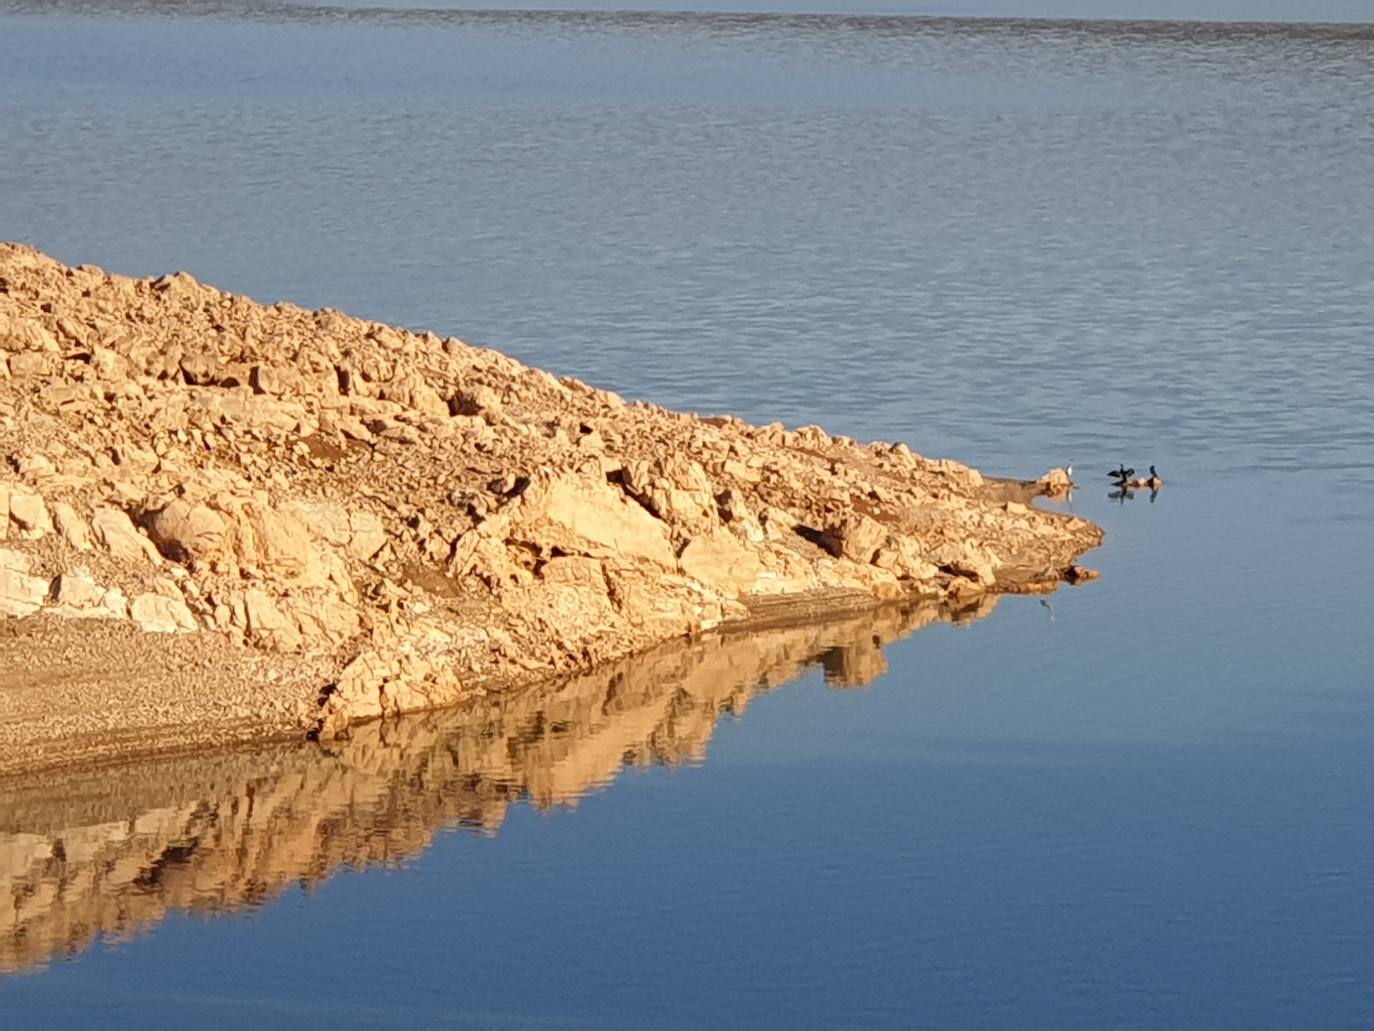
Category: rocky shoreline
<point>221,520</point>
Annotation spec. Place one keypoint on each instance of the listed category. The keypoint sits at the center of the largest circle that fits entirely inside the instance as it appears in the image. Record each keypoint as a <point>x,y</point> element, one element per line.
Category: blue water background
<point>1017,244</point>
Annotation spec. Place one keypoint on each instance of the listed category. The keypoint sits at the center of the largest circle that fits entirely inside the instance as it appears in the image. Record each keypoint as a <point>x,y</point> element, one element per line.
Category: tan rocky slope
<point>339,519</point>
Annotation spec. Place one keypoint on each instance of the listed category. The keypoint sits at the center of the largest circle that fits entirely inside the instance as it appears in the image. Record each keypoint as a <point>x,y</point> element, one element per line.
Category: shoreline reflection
<point>105,855</point>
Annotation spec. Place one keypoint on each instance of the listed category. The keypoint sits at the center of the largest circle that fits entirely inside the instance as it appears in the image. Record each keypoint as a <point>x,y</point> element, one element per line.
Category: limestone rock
<point>71,526</point>
<point>19,561</point>
<point>357,695</point>
<point>430,515</point>
<point>577,571</point>
<point>411,390</point>
<point>115,532</point>
<point>272,542</point>
<point>904,557</point>
<point>115,604</point>
<point>581,516</point>
<point>159,614</point>
<point>359,534</point>
<point>1055,480</point>
<point>76,595</point>
<point>32,365</point>
<point>20,593</point>
<point>29,514</point>
<point>477,401</point>
<point>276,380</point>
<point>366,537</point>
<point>720,561</point>
<point>266,622</point>
<point>857,537</point>
<point>77,590</point>
<point>326,621</point>
<point>19,334</point>
<point>34,467</point>
<point>185,531</point>
<point>965,559</point>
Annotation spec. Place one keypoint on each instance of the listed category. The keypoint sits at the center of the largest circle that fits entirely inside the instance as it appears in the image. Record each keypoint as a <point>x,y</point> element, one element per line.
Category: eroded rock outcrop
<point>423,520</point>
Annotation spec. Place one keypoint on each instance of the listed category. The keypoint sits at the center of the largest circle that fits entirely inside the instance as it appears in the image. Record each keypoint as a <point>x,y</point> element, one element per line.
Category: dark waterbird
<point>1124,484</point>
<point>1121,472</point>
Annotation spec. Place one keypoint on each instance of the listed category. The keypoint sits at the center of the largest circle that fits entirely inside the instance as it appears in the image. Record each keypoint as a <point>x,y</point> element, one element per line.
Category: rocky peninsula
<point>222,521</point>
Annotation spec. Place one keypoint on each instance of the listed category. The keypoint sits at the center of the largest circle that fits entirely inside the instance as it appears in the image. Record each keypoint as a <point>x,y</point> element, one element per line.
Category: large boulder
<point>267,624</point>
<point>115,532</point>
<point>411,390</point>
<point>965,559</point>
<point>71,526</point>
<point>76,595</point>
<point>20,593</point>
<point>159,614</point>
<point>581,515</point>
<point>856,537</point>
<point>720,561</point>
<point>28,514</point>
<point>188,532</point>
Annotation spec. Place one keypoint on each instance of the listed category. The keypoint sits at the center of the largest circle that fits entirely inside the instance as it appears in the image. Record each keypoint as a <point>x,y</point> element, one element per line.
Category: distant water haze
<point>1350,11</point>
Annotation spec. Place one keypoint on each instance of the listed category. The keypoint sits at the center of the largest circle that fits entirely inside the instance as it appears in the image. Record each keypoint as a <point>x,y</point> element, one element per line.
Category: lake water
<point>1149,803</point>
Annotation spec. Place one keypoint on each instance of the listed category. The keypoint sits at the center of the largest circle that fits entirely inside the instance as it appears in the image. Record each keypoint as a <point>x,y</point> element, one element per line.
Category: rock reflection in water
<point>104,855</point>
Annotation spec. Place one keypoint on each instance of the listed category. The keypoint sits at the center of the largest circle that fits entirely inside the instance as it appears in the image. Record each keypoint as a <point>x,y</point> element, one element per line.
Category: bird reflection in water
<point>1123,494</point>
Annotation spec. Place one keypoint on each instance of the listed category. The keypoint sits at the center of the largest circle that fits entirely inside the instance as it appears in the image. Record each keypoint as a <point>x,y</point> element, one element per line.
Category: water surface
<point>1014,243</point>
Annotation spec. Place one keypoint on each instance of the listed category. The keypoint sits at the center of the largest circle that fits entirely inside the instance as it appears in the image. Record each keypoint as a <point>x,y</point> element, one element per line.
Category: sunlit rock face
<point>108,854</point>
<point>388,521</point>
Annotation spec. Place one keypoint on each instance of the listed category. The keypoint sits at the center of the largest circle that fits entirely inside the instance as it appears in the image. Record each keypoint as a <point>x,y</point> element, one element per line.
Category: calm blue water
<point>1017,244</point>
